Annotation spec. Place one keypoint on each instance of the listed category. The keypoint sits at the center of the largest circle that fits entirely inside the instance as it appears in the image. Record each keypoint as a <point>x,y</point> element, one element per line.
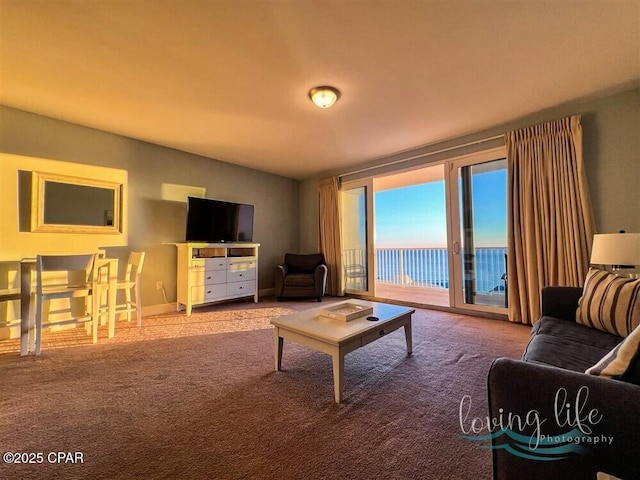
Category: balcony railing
<point>427,267</point>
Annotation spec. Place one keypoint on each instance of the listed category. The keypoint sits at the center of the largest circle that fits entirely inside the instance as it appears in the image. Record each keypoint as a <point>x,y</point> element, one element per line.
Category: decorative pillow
<point>610,303</point>
<point>618,363</point>
<point>606,476</point>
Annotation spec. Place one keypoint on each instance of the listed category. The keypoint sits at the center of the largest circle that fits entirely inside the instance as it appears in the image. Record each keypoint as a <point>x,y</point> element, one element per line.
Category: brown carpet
<point>206,405</point>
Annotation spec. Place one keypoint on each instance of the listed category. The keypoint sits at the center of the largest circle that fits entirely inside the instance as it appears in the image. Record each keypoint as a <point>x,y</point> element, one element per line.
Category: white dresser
<point>212,272</point>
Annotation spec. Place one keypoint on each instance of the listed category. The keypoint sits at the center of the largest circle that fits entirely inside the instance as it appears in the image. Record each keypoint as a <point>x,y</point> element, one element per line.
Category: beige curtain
<point>550,226</point>
<point>330,244</point>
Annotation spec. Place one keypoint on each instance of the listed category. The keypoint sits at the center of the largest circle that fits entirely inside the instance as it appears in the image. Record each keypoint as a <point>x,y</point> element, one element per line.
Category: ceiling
<point>229,79</point>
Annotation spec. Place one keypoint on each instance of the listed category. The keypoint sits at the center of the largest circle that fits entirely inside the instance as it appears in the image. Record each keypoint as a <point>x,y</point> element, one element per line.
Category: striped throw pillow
<point>618,363</point>
<point>610,303</point>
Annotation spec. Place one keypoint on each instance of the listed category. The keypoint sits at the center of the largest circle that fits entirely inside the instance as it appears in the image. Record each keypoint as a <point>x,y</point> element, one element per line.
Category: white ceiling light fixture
<point>324,96</point>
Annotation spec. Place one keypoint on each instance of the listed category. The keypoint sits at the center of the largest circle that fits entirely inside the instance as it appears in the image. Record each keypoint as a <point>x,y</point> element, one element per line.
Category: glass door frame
<point>367,184</point>
<point>456,283</point>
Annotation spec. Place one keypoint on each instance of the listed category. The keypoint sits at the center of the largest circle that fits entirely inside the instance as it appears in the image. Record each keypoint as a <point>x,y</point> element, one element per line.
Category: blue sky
<point>416,216</point>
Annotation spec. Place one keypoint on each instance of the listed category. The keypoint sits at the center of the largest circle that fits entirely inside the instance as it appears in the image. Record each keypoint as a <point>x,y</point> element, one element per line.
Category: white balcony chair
<point>70,276</point>
<point>355,276</point>
<point>131,284</point>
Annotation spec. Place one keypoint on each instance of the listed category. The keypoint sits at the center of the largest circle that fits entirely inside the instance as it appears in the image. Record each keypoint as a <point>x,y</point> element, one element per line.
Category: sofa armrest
<point>519,387</point>
<point>560,302</point>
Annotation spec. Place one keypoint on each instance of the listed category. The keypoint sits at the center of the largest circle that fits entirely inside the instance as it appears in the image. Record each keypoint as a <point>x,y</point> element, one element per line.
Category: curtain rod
<point>427,154</point>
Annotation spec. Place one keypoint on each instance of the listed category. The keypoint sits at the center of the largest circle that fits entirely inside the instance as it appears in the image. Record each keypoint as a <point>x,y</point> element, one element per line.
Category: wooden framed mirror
<point>65,204</point>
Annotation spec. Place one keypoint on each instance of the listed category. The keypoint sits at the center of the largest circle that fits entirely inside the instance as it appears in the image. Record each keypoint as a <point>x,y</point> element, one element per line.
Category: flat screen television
<point>216,221</point>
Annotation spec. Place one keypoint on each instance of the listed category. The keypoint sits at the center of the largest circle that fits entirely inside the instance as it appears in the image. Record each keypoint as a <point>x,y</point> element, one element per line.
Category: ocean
<point>429,267</point>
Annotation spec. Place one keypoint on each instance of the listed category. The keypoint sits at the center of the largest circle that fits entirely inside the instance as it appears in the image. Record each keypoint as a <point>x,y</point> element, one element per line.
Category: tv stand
<point>213,272</point>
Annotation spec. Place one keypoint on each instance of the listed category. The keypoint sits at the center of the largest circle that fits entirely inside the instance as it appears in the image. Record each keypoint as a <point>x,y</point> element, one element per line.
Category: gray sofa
<point>550,375</point>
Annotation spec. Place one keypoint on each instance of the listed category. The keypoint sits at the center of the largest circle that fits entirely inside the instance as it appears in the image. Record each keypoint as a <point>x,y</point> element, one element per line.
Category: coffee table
<point>336,337</point>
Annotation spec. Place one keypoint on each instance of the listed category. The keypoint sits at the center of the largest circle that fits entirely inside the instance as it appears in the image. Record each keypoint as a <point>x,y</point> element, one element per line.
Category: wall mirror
<point>61,203</point>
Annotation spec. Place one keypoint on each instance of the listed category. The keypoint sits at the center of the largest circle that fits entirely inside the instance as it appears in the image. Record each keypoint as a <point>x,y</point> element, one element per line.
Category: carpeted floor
<point>206,403</point>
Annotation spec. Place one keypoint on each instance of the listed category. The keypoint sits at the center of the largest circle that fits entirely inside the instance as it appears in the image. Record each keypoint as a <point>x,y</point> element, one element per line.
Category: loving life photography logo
<point>506,430</point>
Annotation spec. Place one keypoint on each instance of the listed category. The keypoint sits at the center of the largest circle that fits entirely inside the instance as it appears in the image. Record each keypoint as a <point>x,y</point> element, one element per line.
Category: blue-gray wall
<point>153,222</point>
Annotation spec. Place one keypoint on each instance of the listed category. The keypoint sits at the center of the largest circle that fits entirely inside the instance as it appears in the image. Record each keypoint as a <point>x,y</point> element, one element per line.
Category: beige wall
<point>153,221</point>
<point>16,244</point>
<point>611,131</point>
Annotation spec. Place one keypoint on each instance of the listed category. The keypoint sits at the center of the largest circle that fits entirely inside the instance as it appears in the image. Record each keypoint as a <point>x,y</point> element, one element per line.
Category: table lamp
<point>619,251</point>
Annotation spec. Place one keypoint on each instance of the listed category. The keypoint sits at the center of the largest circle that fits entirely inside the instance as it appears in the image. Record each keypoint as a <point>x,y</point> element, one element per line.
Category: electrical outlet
<point>159,285</point>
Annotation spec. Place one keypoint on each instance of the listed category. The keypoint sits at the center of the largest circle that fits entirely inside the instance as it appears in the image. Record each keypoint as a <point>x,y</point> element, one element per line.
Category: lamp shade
<point>622,249</point>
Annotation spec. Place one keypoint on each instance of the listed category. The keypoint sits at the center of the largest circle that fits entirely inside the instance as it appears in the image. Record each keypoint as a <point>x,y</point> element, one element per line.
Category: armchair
<point>301,276</point>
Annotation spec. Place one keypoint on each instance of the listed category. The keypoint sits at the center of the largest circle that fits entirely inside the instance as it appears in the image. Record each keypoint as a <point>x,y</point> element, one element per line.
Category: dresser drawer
<point>241,275</point>
<point>207,277</point>
<point>209,264</point>
<point>207,293</point>
<point>241,288</point>
<point>241,265</point>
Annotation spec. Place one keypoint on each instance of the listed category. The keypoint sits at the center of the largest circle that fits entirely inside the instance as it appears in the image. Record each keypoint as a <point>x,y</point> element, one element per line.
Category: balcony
<point>421,275</point>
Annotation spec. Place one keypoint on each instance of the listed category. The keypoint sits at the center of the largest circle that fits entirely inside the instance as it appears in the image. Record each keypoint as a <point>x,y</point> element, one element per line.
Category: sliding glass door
<point>435,235</point>
<point>478,211</point>
<point>357,237</point>
<point>410,216</point>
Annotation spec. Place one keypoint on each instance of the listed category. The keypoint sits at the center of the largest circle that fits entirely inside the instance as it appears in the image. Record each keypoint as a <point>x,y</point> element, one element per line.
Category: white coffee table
<point>337,338</point>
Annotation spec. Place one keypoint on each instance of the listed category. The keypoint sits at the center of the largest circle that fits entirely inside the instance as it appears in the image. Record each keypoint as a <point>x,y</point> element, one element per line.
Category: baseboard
<point>159,309</point>
<point>267,292</point>
<point>164,308</point>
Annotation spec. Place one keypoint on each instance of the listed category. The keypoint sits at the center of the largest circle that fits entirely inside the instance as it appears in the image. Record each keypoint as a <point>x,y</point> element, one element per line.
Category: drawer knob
<point>382,333</point>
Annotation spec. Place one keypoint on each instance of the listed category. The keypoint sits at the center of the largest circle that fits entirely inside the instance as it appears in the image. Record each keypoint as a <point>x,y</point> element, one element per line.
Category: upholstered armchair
<point>301,276</point>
